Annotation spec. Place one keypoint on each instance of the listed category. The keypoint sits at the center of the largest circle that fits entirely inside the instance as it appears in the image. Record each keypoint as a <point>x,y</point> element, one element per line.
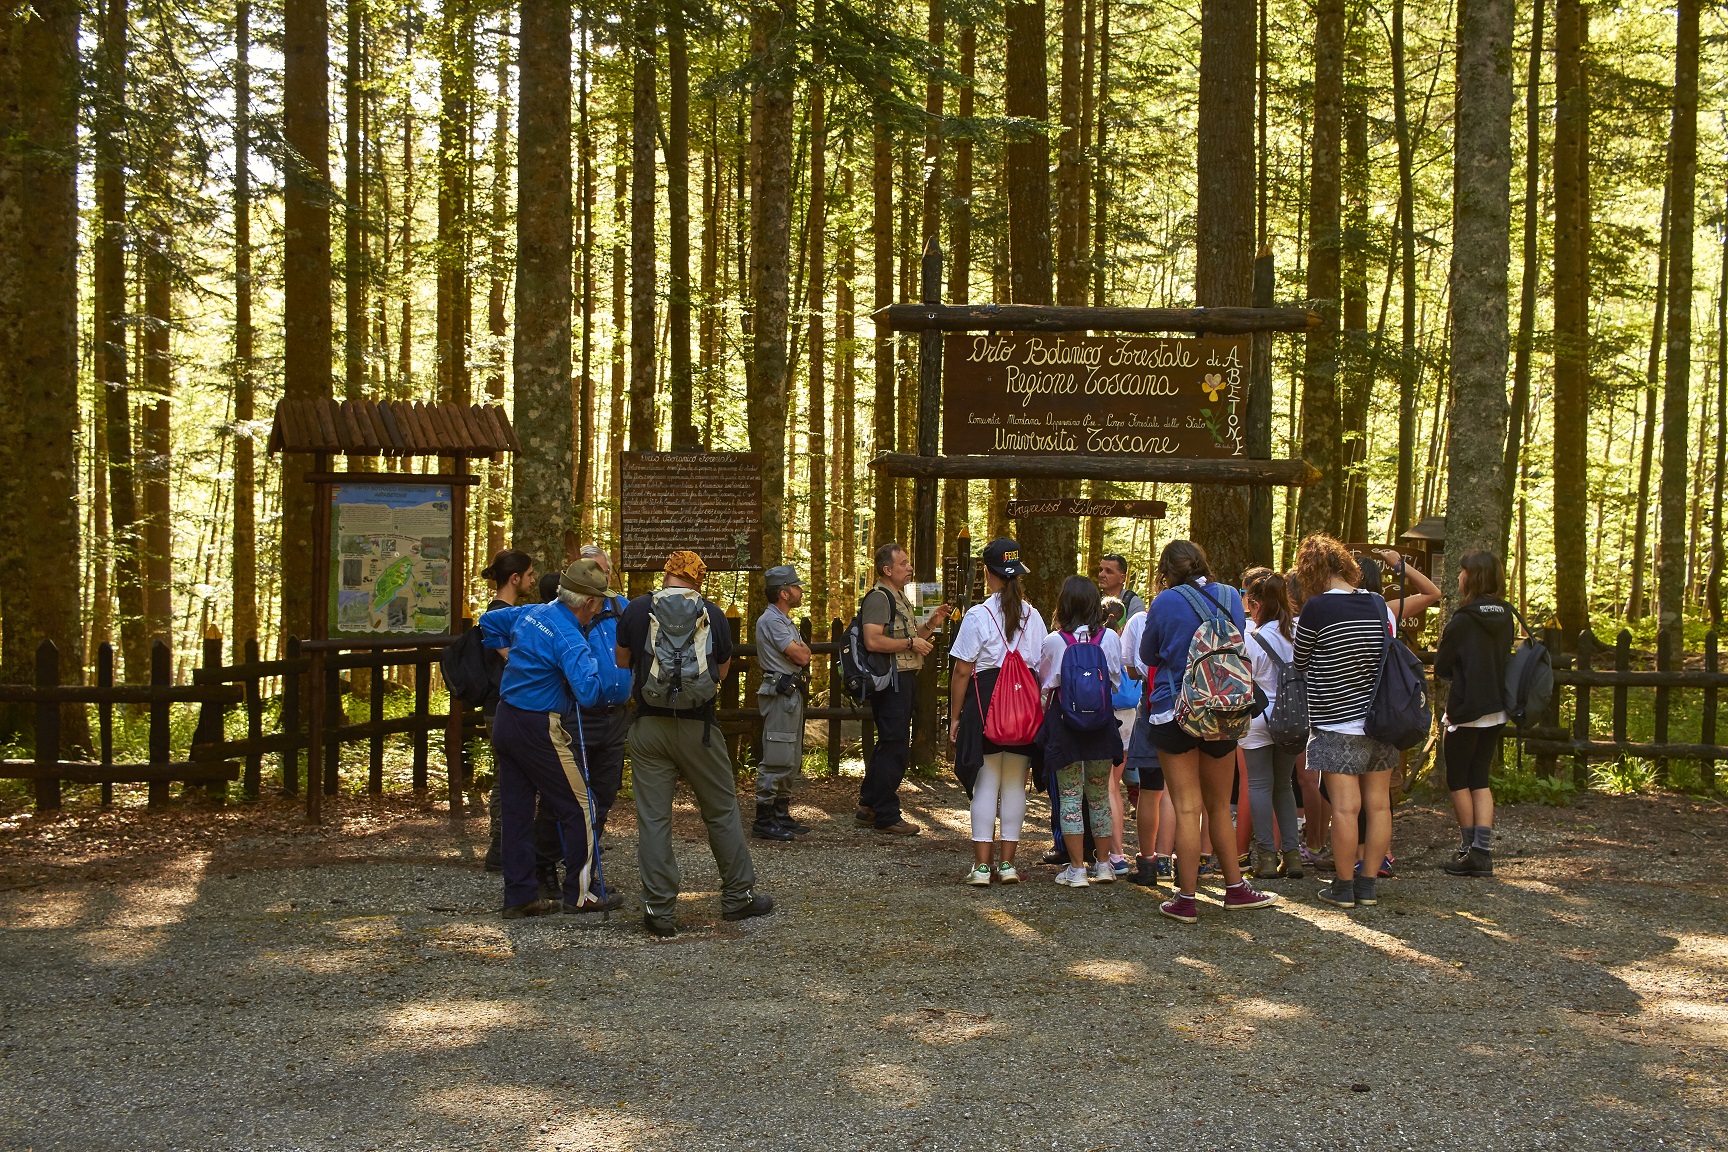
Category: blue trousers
<point>537,756</point>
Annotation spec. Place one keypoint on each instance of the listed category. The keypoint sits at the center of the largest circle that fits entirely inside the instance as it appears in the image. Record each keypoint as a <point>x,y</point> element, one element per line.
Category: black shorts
<point>1171,737</point>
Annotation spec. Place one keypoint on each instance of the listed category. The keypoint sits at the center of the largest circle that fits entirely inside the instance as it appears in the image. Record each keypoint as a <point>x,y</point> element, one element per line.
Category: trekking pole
<point>593,833</point>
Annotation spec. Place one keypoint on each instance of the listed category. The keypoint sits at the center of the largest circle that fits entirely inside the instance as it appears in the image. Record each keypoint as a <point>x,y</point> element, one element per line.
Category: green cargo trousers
<point>662,749</point>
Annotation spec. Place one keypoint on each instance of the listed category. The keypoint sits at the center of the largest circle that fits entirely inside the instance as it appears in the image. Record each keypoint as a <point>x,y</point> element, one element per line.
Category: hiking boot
<point>1265,864</point>
<point>759,905</point>
<point>662,926</point>
<point>1341,893</point>
<point>1475,862</point>
<point>1180,907</point>
<point>864,816</point>
<point>900,828</point>
<point>1238,897</point>
<point>1293,865</point>
<point>523,911</point>
<point>768,826</point>
<point>1145,872</point>
<point>551,891</point>
<point>611,902</point>
<point>979,877</point>
<point>783,810</point>
<point>494,858</point>
<point>1006,873</point>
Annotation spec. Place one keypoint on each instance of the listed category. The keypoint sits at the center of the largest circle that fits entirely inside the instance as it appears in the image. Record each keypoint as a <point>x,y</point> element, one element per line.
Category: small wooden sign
<point>707,502</point>
<point>1069,394</point>
<point>1133,509</point>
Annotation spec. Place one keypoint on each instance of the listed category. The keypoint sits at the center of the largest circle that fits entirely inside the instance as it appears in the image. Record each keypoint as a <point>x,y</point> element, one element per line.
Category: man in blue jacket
<point>549,673</point>
<point>605,727</point>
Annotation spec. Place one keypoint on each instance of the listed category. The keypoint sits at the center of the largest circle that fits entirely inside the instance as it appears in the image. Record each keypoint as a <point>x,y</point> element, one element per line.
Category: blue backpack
<point>1084,693</point>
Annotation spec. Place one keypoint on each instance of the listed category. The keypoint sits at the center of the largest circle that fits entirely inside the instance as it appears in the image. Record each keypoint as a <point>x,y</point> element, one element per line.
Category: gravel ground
<point>229,979</point>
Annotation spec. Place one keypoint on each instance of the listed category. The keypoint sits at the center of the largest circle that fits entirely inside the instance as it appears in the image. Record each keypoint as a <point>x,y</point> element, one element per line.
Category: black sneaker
<point>772,829</point>
<point>783,812</point>
<point>759,905</point>
<point>1145,872</point>
<point>662,926</point>
<point>1475,862</point>
<point>1341,893</point>
<point>523,911</point>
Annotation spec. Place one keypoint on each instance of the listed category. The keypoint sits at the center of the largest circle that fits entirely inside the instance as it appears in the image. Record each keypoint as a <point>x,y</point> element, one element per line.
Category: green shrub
<point>1520,787</point>
<point>1625,776</point>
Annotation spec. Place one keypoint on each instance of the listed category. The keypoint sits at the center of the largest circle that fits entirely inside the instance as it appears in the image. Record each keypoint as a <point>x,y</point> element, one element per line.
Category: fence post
<point>1708,735</point>
<point>835,631</point>
<point>1664,662</point>
<point>47,729</point>
<point>422,713</point>
<point>1622,664</point>
<point>375,713</point>
<point>315,698</point>
<point>1587,645</point>
<point>212,717</point>
<point>161,676</point>
<point>254,722</point>
<point>291,721</point>
<point>105,720</point>
<point>1546,764</point>
<point>335,715</point>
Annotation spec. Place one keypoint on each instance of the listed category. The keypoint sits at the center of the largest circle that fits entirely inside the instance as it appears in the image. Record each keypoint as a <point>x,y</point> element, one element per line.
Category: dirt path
<point>233,980</point>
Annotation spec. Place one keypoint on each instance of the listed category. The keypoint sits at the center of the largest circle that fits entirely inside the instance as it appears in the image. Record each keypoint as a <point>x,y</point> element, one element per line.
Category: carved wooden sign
<point>707,502</point>
<point>1135,509</point>
<point>1046,393</point>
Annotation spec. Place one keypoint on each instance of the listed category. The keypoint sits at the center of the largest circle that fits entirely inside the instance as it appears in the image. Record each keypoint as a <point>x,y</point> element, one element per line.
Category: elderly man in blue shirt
<point>550,672</point>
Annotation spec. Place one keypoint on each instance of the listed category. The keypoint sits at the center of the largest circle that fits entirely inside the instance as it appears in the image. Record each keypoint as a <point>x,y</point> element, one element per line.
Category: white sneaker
<point>1074,876</point>
<point>1103,873</point>
<point>1005,874</point>
<point>979,877</point>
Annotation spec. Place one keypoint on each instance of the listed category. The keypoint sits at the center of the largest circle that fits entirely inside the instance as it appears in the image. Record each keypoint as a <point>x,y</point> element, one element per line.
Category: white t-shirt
<point>1259,734</point>
<point>1050,656</point>
<point>1132,632</point>
<point>979,639</point>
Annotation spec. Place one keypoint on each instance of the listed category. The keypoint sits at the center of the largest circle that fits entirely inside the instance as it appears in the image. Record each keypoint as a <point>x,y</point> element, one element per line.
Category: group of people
<point>1169,710</point>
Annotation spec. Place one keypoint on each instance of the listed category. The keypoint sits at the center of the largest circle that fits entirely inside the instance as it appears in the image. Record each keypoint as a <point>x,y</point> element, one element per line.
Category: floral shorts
<point>1349,755</point>
<point>1088,779</point>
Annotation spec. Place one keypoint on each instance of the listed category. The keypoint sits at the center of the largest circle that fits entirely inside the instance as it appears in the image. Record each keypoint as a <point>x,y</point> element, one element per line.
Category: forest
<point>667,224</point>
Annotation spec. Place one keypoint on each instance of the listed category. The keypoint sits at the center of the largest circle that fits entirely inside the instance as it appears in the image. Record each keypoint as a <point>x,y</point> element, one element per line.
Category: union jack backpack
<point>1216,698</point>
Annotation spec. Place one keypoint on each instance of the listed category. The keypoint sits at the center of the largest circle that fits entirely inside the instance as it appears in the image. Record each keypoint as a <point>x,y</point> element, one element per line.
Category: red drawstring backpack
<point>1016,712</point>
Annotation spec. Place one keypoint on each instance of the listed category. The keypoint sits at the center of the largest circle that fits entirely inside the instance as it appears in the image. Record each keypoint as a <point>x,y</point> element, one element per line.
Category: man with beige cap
<point>678,648</point>
<point>549,672</point>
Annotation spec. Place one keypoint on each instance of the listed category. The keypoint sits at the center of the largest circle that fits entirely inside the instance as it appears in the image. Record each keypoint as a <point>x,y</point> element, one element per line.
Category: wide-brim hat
<point>585,578</point>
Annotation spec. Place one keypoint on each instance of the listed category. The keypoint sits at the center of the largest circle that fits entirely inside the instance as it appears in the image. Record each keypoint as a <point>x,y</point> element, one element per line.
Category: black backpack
<point>465,669</point>
<point>1529,679</point>
<point>1398,710</point>
<point>861,670</point>
<point>1288,721</point>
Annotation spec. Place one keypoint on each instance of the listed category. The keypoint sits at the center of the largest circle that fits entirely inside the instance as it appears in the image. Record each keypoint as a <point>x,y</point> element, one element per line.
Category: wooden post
<point>161,675</point>
<point>375,769</point>
<point>1581,705</point>
<point>925,553</point>
<point>212,718</point>
<point>456,771</point>
<point>105,720</point>
<point>335,716</point>
<point>423,713</point>
<point>253,684</point>
<point>1548,764</point>
<point>835,695</point>
<point>1708,734</point>
<point>47,728</point>
<point>1664,662</point>
<point>291,720</point>
<point>1622,663</point>
<point>316,700</point>
<point>315,737</point>
<point>1260,550</point>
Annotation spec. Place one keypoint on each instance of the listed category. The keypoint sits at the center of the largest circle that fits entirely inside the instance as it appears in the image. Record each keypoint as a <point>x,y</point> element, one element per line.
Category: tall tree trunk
<point>498,269</point>
<point>305,275</point>
<point>1071,198</point>
<point>616,423</point>
<point>155,443</point>
<point>354,278</point>
<point>644,119</point>
<point>1637,599</point>
<point>1481,254</point>
<point>587,431</point>
<point>1403,498</point>
<point>1224,228</point>
<point>1571,321</point>
<point>245,547</point>
<point>1676,392</point>
<point>883,422</point>
<point>39,93</point>
<point>455,84</point>
<point>1718,555</point>
<point>1319,504</point>
<point>817,230</point>
<point>1510,469</point>
<point>1100,170</point>
<point>1049,542</point>
<point>678,209</point>
<point>956,502</point>
<point>540,493</point>
<point>846,396</point>
<point>405,330</point>
<point>1354,368</point>
<point>772,32</point>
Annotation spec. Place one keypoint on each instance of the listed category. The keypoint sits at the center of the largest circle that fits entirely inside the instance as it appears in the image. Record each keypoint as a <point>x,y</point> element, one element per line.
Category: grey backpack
<point>1288,720</point>
<point>680,668</point>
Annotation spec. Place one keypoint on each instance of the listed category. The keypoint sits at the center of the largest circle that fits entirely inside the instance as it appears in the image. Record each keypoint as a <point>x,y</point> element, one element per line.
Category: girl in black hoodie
<point>1472,655</point>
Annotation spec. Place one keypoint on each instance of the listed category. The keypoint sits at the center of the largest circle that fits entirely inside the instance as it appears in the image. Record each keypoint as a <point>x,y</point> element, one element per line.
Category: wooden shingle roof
<point>391,428</point>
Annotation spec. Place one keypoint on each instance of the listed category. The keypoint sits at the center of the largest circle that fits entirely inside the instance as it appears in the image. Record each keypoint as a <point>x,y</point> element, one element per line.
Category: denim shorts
<point>1349,755</point>
<point>1171,737</point>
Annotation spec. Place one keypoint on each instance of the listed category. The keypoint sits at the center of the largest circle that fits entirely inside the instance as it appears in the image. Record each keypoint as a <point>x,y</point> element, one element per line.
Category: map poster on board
<point>1069,394</point>
<point>390,555</point>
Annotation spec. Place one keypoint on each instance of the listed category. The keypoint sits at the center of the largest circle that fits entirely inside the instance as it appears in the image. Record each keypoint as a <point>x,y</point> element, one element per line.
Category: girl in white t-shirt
<point>1271,632</point>
<point>995,776</point>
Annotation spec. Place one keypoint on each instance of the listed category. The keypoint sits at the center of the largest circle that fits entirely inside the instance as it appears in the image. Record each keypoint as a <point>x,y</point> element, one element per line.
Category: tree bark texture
<point>156,443</point>
<point>883,529</point>
<point>1224,228</point>
<point>1677,381</point>
<point>244,547</point>
<point>1571,320</point>
<point>456,104</point>
<point>773,28</point>
<point>817,233</point>
<point>1071,190</point>
<point>678,239</point>
<point>1524,344</point>
<point>1481,254</point>
<point>1319,505</point>
<point>1637,600</point>
<point>541,497</point>
<point>1403,496</point>
<point>644,119</point>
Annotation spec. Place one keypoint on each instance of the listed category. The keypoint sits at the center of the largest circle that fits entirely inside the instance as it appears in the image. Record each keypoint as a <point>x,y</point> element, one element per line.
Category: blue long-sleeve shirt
<point>552,667</point>
<point>1170,626</point>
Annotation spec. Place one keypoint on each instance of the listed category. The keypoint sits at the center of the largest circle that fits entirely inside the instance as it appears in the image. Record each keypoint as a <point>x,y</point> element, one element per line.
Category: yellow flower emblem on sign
<point>1212,385</point>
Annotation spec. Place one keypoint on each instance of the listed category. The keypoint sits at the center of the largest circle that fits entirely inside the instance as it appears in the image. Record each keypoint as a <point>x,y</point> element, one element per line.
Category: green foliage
<point>1516,786</point>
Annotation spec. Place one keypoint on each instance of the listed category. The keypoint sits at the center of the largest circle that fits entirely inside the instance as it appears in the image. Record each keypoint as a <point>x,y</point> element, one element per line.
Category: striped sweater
<point>1339,639</point>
